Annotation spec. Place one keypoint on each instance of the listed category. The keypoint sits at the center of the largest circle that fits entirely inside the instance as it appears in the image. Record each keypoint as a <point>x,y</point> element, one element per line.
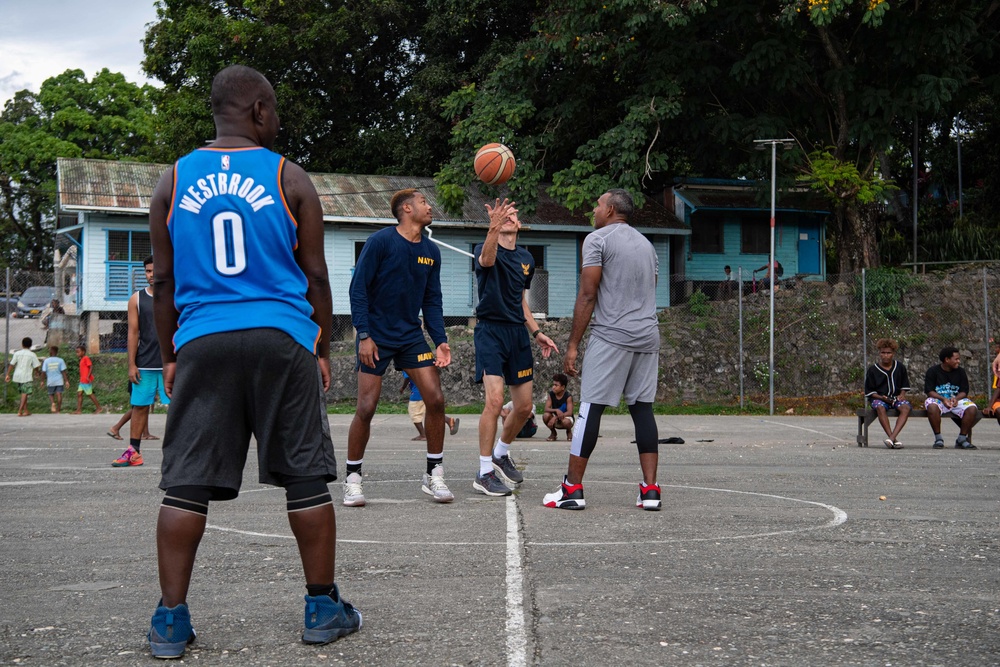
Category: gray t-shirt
<point>625,312</point>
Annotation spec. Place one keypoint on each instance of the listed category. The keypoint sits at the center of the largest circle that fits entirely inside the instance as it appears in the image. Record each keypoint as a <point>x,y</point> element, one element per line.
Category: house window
<point>537,254</point>
<point>706,237</point>
<point>358,247</point>
<point>126,252</point>
<point>755,237</point>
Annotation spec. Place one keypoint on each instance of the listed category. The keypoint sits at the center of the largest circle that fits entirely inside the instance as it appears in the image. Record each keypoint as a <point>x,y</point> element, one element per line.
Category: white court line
<point>517,640</point>
<point>803,428</point>
<point>839,517</point>
<point>340,540</point>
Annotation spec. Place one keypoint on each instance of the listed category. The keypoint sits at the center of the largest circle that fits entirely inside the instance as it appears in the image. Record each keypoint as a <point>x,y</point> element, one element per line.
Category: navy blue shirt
<point>502,285</point>
<point>393,281</point>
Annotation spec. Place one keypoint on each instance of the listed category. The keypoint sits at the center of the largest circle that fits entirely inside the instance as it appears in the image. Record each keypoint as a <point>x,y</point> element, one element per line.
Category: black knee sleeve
<point>646,434</point>
<point>305,493</point>
<point>192,499</point>
<point>585,439</point>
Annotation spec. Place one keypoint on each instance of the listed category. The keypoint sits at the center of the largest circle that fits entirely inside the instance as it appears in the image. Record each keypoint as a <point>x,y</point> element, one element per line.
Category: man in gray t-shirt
<point>617,287</point>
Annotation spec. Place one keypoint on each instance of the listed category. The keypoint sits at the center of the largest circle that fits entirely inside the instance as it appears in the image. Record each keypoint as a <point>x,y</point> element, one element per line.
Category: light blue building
<point>730,226</point>
<point>103,209</point>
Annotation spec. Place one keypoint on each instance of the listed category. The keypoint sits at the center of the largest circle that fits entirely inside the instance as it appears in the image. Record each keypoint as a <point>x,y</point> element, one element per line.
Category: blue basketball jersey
<point>234,241</point>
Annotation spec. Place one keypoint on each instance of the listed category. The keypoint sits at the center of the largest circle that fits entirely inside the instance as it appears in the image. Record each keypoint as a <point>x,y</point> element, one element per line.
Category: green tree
<point>359,84</point>
<point>105,118</point>
<point>635,92</point>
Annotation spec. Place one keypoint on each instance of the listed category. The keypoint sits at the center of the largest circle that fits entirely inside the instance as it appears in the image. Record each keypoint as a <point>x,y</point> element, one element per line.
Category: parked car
<point>34,300</point>
<point>8,305</point>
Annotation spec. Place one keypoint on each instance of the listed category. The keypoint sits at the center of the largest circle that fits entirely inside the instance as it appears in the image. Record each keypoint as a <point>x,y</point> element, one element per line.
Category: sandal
<point>888,443</point>
<point>551,438</point>
<point>114,435</point>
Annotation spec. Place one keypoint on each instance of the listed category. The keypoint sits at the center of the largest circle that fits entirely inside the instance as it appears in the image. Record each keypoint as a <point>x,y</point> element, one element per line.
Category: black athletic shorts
<point>504,350</point>
<point>234,385</point>
<point>417,355</point>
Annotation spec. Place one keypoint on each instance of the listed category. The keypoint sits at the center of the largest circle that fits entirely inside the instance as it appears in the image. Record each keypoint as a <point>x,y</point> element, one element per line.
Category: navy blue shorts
<point>417,355</point>
<point>504,350</point>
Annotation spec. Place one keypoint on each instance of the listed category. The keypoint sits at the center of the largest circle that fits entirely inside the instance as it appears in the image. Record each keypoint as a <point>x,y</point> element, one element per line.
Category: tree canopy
<point>106,117</point>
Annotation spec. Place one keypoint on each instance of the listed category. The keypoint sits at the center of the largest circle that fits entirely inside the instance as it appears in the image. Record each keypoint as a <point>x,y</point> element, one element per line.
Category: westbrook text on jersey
<point>213,185</point>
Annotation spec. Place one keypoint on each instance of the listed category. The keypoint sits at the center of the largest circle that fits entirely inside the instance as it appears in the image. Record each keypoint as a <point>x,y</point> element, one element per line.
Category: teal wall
<point>710,266</point>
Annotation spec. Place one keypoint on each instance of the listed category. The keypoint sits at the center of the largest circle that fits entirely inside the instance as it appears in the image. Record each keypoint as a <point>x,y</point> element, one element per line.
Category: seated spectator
<point>727,287</point>
<point>530,425</point>
<point>947,388</point>
<point>779,271</point>
<point>559,408</point>
<point>886,384</point>
<point>993,409</point>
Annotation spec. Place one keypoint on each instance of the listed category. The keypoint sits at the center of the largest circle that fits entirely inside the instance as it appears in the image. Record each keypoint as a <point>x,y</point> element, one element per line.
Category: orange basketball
<point>494,164</point>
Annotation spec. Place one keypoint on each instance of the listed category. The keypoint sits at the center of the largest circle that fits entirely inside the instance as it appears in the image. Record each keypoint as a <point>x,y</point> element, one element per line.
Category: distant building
<point>103,209</point>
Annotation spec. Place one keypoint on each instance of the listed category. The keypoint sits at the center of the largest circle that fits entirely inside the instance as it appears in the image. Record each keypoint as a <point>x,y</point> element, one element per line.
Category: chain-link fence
<point>825,332</point>
<point>716,335</point>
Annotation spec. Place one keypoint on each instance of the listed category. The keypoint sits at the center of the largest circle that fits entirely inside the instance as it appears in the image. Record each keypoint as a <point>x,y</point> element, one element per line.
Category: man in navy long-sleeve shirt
<point>397,276</point>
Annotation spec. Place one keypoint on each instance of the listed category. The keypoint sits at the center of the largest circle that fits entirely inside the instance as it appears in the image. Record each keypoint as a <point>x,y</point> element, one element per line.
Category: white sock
<point>485,465</point>
<point>500,449</point>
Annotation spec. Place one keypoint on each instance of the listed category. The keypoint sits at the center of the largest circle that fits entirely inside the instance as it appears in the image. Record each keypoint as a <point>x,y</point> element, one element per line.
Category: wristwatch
<point>363,335</point>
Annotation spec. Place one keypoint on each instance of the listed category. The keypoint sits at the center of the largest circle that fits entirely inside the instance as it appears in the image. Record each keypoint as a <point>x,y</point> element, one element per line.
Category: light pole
<point>762,145</point>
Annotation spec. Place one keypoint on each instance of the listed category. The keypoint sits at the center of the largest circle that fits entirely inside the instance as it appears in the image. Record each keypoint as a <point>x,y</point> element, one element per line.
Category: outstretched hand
<point>499,212</point>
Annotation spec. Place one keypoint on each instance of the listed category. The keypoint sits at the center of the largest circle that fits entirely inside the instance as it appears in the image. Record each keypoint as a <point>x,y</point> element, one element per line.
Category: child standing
<point>23,364</point>
<point>55,378</point>
<point>418,411</point>
<point>86,381</point>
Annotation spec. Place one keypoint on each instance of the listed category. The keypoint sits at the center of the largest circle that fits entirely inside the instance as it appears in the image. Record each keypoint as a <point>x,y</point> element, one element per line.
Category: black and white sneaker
<point>490,485</point>
<point>649,497</point>
<point>507,472</point>
<point>568,497</point>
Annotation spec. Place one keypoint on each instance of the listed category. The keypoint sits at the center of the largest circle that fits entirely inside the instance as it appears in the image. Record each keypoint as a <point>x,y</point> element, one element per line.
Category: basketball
<point>494,164</point>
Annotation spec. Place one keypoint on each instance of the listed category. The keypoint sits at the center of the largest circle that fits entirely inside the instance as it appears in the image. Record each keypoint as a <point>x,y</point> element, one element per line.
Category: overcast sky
<point>43,38</point>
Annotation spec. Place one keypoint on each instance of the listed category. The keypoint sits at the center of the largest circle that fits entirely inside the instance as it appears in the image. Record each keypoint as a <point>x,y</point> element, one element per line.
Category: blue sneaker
<point>170,631</point>
<point>329,617</point>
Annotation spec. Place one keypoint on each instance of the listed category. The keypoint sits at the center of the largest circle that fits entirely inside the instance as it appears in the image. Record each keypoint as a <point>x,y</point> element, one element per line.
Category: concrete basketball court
<point>773,548</point>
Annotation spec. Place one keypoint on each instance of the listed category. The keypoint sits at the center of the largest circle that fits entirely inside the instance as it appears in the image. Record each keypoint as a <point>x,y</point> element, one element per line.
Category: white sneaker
<point>434,486</point>
<point>353,495</point>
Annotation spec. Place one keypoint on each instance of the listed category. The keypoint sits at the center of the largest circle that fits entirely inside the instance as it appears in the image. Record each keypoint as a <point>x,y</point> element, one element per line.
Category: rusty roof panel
<point>127,186</point>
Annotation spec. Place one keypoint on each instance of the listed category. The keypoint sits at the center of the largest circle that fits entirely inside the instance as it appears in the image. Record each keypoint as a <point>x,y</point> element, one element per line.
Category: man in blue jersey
<point>398,276</point>
<point>503,346</point>
<point>243,309</point>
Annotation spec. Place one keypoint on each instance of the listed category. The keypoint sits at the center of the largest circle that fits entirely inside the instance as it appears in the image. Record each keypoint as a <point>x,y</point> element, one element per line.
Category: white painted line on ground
<point>839,517</point>
<point>803,428</point>
<point>517,641</point>
<point>251,533</point>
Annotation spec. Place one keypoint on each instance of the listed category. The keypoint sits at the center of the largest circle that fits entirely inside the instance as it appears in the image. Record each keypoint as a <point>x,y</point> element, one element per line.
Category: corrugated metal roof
<point>126,187</point>
<point>746,198</point>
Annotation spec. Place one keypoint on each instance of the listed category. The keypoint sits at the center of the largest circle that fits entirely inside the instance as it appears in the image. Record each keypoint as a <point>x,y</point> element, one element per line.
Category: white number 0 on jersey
<point>228,241</point>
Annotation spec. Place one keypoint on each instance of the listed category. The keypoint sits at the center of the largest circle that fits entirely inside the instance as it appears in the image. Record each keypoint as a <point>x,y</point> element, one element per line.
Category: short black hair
<point>146,262</point>
<point>622,202</point>
<point>727,268</point>
<point>401,198</point>
<point>237,87</point>
<point>947,352</point>
<point>25,342</point>
<point>561,379</point>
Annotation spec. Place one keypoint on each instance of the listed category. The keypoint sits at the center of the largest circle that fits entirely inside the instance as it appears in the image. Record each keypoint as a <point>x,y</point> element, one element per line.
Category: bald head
<point>236,88</point>
<point>244,104</point>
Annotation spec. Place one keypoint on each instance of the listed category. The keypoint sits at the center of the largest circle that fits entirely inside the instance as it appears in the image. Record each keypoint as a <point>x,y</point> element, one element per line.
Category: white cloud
<point>43,38</point>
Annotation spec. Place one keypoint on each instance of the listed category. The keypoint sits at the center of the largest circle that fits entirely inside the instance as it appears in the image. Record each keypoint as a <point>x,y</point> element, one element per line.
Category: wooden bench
<point>867,416</point>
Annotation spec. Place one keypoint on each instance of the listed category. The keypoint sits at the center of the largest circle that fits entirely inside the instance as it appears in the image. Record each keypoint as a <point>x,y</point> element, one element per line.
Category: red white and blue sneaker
<point>649,497</point>
<point>568,497</point>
